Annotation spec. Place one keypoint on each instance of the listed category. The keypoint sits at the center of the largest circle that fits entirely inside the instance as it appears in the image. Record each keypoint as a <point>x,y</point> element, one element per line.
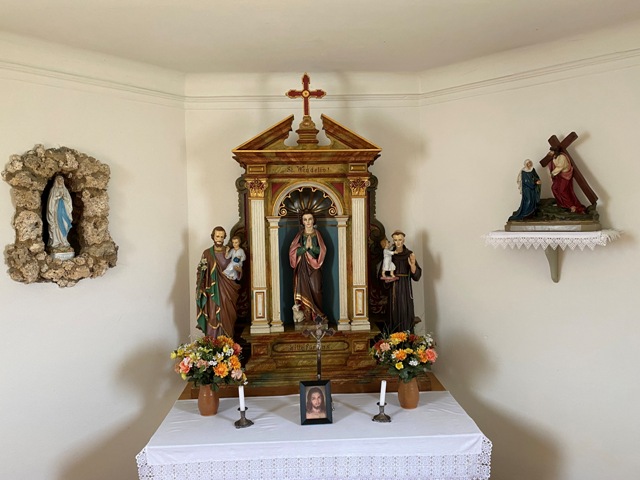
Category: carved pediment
<point>269,146</point>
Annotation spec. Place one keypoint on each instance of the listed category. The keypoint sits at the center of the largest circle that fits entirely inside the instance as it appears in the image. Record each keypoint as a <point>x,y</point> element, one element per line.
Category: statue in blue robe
<point>529,186</point>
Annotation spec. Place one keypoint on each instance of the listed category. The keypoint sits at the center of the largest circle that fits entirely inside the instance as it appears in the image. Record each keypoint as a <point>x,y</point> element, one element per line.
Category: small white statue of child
<point>387,263</point>
<point>237,257</point>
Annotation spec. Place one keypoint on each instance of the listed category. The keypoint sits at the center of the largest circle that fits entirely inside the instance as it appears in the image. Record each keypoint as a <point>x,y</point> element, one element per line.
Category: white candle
<point>383,390</point>
<point>241,395</point>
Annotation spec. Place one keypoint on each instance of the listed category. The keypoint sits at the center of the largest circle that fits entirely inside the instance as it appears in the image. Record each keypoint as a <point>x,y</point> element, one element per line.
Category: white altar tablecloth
<point>438,440</point>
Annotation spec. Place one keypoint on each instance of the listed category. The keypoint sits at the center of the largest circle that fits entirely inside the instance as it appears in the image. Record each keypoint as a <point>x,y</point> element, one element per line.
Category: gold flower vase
<point>208,400</point>
<point>408,393</point>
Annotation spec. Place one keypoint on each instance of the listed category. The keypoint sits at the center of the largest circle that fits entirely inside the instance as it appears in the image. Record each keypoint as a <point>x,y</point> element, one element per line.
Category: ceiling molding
<point>281,101</point>
<point>537,76</point>
<point>552,73</point>
<point>52,77</point>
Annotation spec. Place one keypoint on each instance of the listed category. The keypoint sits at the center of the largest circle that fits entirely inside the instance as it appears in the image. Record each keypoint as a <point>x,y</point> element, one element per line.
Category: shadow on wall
<point>113,455</point>
<point>431,273</point>
<point>180,297</point>
<point>396,168</point>
<point>519,451</point>
<point>147,374</point>
<point>402,151</point>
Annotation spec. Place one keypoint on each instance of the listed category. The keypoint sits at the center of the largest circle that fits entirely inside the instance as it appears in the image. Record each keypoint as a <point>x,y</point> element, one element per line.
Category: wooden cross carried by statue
<point>561,147</point>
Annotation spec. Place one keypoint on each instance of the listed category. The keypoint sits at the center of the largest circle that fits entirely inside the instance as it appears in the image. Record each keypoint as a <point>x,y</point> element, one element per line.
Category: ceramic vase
<point>208,400</point>
<point>408,393</point>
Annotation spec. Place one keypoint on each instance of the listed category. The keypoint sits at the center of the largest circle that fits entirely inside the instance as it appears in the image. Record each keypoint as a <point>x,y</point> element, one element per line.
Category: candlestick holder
<point>381,417</point>
<point>244,421</point>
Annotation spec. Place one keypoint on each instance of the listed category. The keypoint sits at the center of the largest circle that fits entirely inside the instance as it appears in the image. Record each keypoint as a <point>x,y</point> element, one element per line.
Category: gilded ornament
<point>358,186</point>
<point>257,188</point>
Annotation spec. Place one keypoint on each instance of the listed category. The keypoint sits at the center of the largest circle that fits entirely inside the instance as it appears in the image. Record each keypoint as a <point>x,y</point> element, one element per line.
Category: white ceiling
<point>303,35</point>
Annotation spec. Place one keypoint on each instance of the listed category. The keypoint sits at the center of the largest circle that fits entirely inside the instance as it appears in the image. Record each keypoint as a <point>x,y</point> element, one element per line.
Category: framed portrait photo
<point>315,402</point>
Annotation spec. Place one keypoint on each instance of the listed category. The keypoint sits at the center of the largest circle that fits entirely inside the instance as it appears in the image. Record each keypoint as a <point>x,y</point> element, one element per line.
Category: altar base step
<point>287,358</point>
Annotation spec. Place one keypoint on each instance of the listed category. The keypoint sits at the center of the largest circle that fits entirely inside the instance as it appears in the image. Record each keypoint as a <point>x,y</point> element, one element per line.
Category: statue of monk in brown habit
<point>401,310</point>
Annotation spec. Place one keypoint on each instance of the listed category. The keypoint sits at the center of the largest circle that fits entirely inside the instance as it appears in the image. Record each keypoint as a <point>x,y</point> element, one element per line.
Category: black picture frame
<point>309,388</point>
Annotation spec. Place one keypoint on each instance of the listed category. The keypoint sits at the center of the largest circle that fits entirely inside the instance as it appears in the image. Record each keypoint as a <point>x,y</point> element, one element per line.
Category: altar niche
<point>288,227</point>
<point>291,201</point>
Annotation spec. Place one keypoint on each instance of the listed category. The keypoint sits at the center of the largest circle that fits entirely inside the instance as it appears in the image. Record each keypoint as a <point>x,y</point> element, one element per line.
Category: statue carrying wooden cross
<point>563,171</point>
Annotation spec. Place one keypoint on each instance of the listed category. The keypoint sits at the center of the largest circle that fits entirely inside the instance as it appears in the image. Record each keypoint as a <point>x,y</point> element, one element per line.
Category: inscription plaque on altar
<point>288,357</point>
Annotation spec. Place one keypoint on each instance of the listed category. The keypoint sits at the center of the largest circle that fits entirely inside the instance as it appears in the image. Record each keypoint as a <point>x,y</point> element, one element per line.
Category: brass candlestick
<point>381,417</point>
<point>244,421</point>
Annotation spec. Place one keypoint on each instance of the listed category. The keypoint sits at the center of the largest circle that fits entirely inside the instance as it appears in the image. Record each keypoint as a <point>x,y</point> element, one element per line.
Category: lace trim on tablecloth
<point>554,240</point>
<point>445,467</point>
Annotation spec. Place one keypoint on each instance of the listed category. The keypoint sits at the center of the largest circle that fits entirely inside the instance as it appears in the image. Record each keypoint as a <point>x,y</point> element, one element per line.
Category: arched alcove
<point>324,206</point>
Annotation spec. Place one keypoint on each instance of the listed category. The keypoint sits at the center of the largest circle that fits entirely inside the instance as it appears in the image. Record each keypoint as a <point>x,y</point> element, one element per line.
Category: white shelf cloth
<point>571,240</point>
<point>438,440</point>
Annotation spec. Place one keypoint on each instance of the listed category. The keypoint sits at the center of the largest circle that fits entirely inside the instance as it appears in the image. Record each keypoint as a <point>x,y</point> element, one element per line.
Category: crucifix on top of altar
<point>329,184</point>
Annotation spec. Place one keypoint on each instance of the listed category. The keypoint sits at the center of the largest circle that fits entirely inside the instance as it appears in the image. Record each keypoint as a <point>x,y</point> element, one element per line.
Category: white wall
<point>86,375</point>
<point>545,369</point>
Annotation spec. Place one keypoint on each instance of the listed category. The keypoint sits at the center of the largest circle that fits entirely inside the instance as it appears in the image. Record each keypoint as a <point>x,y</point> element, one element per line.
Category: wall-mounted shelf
<point>550,241</point>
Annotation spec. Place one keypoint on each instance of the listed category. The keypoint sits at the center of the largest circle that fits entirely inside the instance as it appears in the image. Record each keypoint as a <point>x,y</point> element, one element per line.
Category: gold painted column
<point>343,288</point>
<point>360,318</point>
<point>259,318</point>
<point>274,261</point>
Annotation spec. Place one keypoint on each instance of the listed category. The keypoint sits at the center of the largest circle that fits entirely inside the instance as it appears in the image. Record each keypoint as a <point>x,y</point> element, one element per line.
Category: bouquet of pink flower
<point>210,361</point>
<point>406,354</point>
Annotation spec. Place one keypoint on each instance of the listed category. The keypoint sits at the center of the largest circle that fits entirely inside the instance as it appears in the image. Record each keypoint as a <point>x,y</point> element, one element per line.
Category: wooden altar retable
<point>283,178</point>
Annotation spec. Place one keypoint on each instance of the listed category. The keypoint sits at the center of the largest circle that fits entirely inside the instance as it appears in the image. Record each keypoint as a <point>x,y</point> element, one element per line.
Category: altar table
<point>437,440</point>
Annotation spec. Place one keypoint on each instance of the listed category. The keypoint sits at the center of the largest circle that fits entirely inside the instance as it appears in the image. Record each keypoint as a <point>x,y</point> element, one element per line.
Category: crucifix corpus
<point>319,332</point>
